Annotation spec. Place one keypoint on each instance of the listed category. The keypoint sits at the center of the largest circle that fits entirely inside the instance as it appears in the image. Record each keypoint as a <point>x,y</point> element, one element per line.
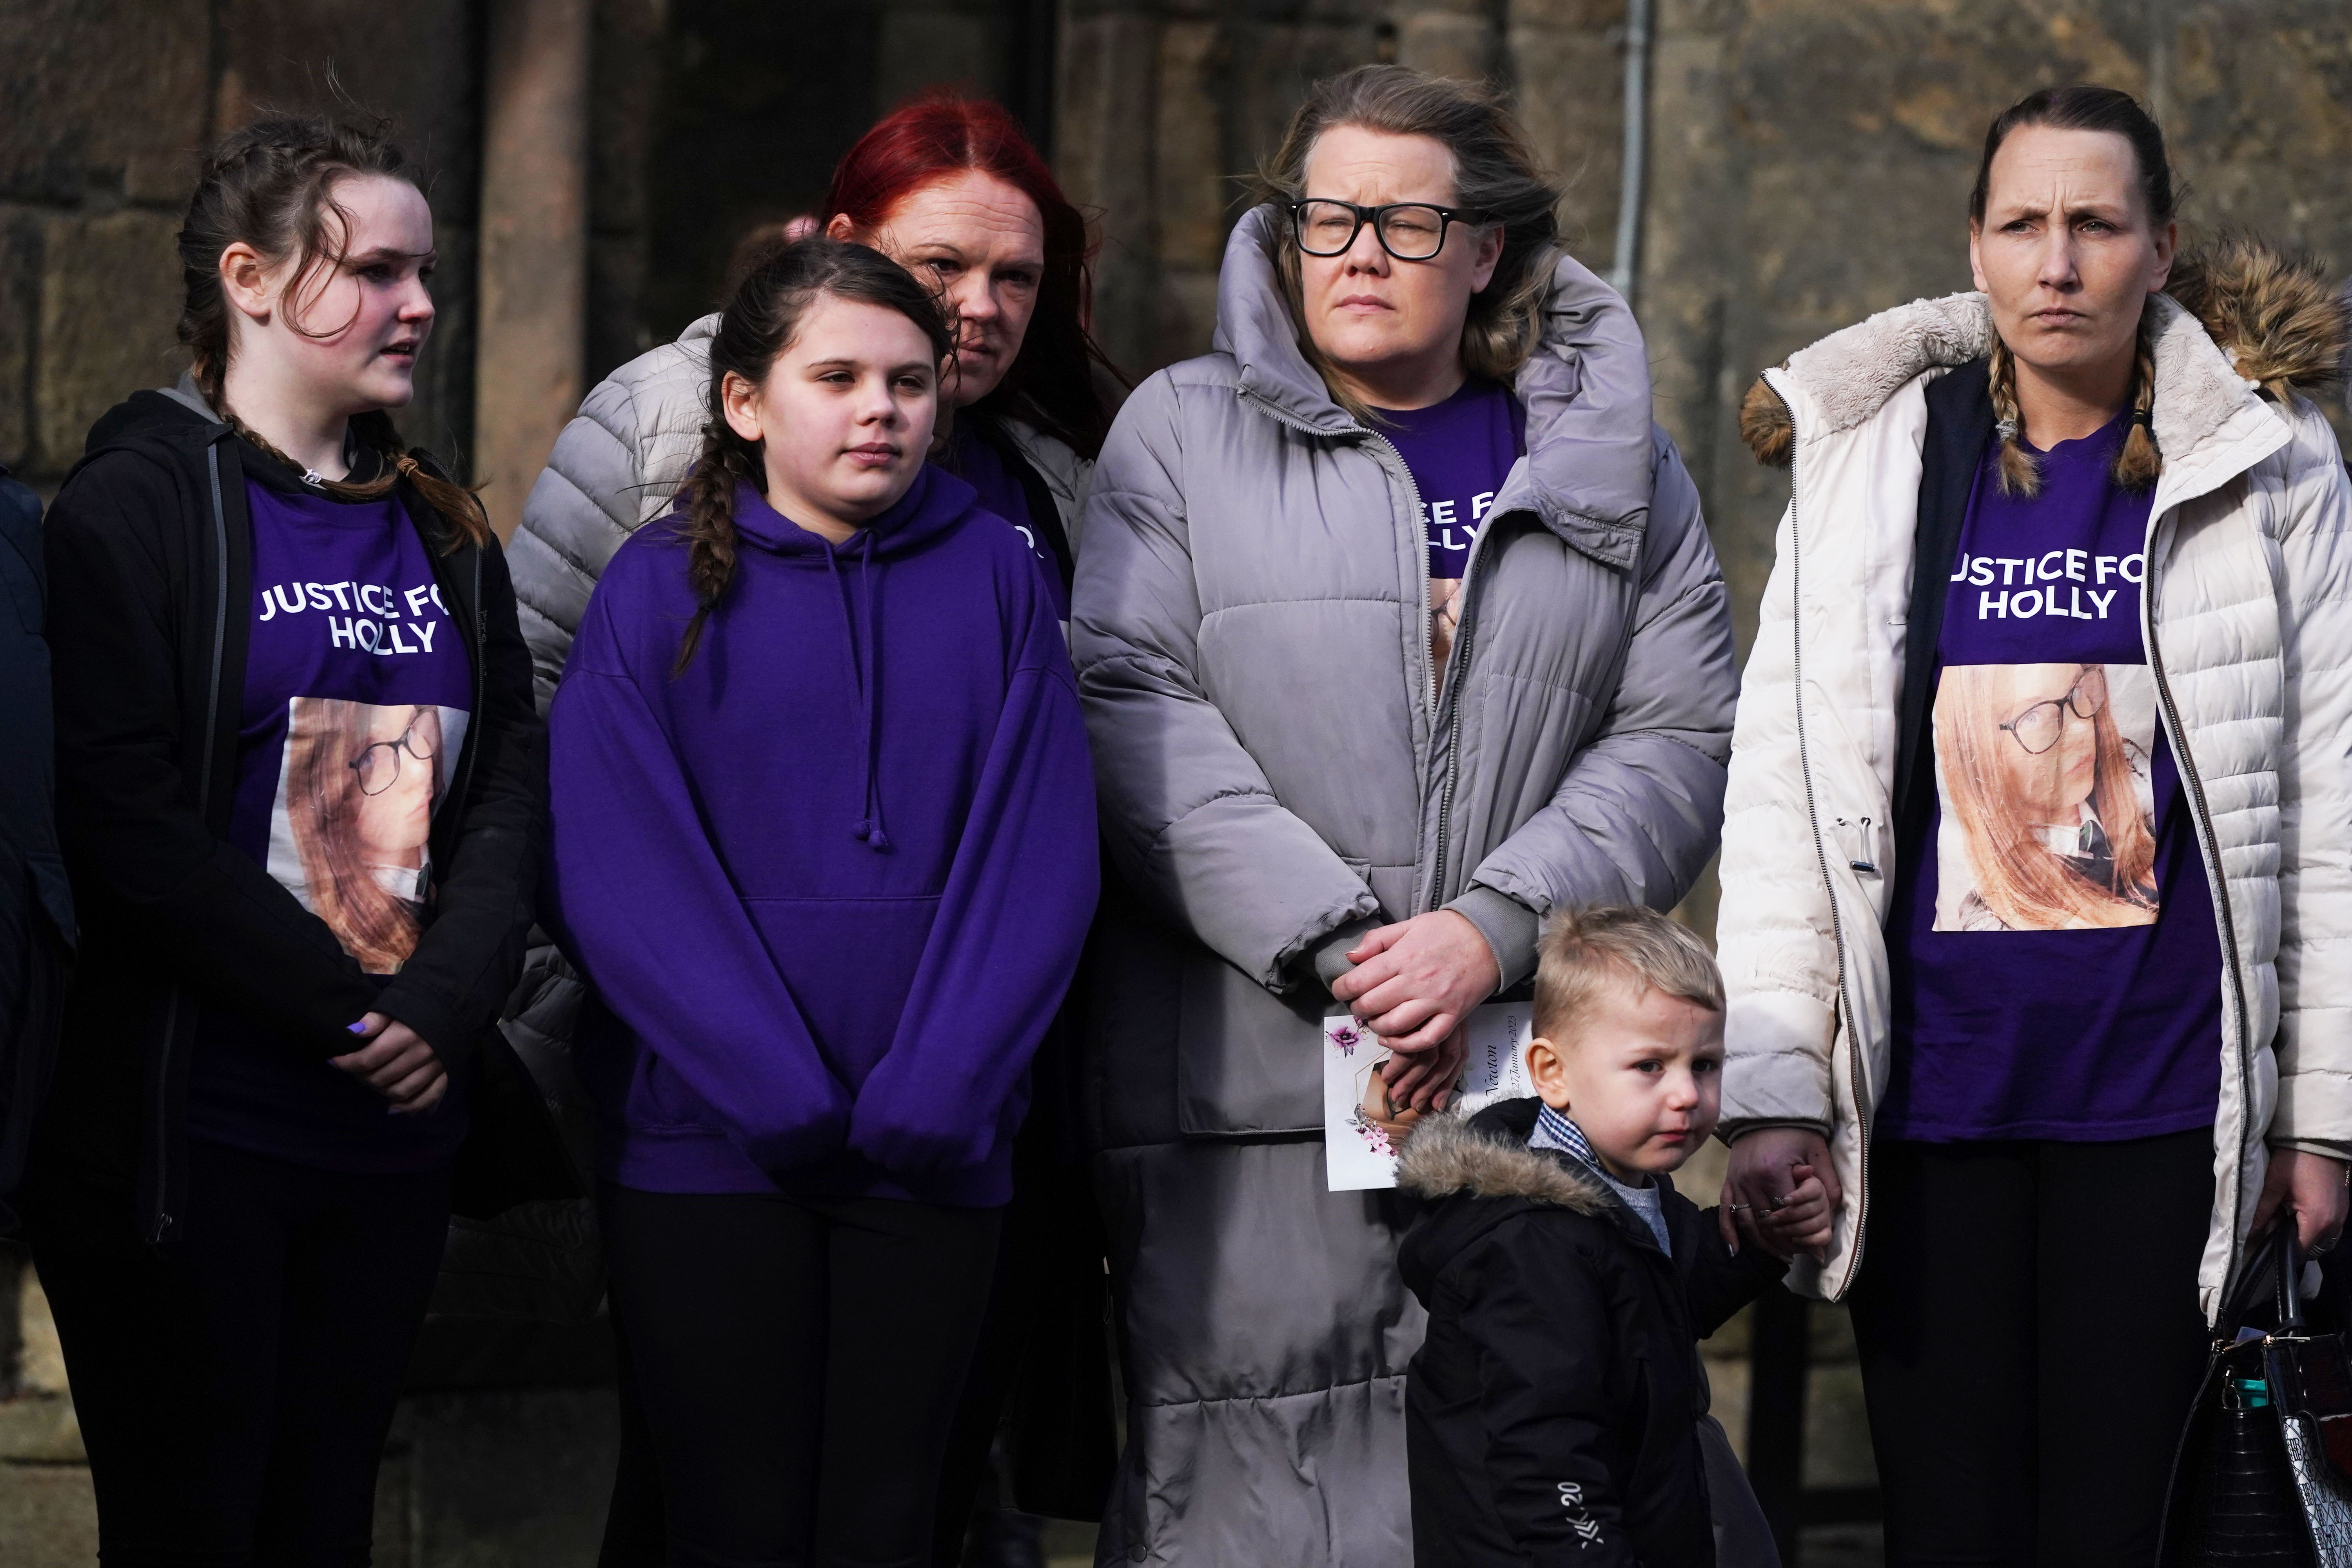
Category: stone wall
<point>756,104</point>
<point>109,103</point>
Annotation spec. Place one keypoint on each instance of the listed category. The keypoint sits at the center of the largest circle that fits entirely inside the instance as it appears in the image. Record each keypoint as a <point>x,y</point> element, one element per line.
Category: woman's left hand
<point>1416,982</point>
<point>2312,1186</point>
<point>397,1064</point>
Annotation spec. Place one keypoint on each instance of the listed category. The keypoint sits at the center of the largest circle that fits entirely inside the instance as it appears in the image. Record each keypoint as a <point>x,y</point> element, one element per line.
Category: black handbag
<point>2262,1478</point>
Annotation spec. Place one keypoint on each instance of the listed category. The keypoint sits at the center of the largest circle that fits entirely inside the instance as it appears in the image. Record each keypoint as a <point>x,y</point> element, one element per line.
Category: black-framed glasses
<point>378,764</point>
<point>2038,728</point>
<point>1410,231</point>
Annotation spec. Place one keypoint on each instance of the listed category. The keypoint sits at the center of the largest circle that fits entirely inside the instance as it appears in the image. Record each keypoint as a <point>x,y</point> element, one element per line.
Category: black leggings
<point>2030,1343</point>
<point>234,1390</point>
<point>798,1361</point>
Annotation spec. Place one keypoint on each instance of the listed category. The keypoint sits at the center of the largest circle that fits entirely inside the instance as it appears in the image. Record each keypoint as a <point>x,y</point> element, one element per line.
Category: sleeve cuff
<point>1509,927</point>
<point>1730,1133</point>
<point>2315,1146</point>
<point>1330,955</point>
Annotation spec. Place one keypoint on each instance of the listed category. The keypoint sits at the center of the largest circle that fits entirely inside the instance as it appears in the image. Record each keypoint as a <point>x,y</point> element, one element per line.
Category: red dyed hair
<point>1051,384</point>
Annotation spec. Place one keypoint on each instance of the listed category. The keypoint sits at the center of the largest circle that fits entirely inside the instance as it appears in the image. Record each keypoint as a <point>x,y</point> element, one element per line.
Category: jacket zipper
<point>2217,884</point>
<point>159,1100</point>
<point>1442,688</point>
<point>1430,687</point>
<point>1837,923</point>
<point>481,654</point>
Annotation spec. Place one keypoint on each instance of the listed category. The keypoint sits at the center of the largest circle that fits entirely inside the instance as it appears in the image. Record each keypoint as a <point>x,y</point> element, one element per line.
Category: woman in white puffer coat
<point>2037,864</point>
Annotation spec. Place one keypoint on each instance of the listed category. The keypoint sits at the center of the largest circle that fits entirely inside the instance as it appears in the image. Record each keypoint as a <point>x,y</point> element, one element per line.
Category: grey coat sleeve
<point>584,507</point>
<point>1187,814</point>
<point>1640,807</point>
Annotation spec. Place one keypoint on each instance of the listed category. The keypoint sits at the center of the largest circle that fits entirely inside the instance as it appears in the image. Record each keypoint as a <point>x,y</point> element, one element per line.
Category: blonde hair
<point>2019,881</point>
<point>1496,172</point>
<point>1584,950</point>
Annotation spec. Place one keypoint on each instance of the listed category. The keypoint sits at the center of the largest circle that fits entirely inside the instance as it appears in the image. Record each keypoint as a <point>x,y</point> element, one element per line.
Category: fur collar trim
<point>2237,315</point>
<point>1446,1155</point>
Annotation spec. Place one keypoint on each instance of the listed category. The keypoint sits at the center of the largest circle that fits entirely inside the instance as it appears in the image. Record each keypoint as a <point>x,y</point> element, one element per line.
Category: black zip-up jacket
<point>36,918</point>
<point>150,551</point>
<point>1551,1415</point>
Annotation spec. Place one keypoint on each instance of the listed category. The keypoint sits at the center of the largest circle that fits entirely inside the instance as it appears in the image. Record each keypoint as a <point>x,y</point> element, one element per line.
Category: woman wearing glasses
<point>1397,627</point>
<point>2036,870</point>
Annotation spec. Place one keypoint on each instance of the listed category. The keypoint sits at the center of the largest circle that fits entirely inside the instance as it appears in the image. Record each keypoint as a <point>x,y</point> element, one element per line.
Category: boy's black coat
<point>148,548</point>
<point>1551,1413</point>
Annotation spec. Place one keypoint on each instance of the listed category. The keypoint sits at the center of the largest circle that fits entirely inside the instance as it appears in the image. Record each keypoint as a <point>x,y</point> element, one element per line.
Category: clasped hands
<point>1415,984</point>
<point>397,1064</point>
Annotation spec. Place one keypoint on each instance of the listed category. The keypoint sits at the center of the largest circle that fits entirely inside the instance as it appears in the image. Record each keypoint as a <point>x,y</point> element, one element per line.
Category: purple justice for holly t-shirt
<point>1459,452</point>
<point>358,687</point>
<point>2056,972</point>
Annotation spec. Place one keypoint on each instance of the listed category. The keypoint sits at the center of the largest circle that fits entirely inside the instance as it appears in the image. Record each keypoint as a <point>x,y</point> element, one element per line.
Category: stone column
<point>534,258</point>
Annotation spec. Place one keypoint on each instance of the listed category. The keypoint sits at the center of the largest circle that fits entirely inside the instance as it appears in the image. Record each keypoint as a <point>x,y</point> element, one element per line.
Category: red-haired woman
<point>953,191</point>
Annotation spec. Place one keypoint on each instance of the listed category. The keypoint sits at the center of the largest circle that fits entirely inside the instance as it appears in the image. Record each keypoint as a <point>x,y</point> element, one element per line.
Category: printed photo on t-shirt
<point>2043,771</point>
<point>350,833</point>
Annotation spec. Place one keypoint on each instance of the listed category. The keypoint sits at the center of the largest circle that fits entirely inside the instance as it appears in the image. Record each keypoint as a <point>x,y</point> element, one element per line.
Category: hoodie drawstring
<point>869,829</point>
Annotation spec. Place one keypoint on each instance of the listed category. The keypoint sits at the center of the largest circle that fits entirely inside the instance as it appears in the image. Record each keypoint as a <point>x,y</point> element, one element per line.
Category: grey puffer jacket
<point>1280,763</point>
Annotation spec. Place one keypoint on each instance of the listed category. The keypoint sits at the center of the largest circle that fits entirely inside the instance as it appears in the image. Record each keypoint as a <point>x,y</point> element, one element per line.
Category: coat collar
<point>1448,1156</point>
<point>1591,449</point>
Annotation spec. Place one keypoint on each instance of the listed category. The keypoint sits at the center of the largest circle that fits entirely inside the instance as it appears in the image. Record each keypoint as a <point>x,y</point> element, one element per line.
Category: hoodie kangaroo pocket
<point>849,963</point>
<point>661,1097</point>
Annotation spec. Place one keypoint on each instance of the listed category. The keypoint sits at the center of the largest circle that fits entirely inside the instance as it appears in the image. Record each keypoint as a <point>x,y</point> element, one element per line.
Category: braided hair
<point>2083,108</point>
<point>271,185</point>
<point>754,329</point>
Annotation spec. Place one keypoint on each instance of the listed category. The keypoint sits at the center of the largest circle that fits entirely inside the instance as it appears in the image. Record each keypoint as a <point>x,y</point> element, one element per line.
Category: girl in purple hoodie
<point>823,845</point>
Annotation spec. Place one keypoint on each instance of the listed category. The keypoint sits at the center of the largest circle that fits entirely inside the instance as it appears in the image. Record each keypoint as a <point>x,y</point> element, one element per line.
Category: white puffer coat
<point>2248,630</point>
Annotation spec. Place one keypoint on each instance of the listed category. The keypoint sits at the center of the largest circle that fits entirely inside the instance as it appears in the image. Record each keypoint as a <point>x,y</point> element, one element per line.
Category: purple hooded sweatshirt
<point>830,883</point>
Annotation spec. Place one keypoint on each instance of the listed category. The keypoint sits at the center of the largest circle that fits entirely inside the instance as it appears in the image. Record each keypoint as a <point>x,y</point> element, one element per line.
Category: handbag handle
<point>2276,1271</point>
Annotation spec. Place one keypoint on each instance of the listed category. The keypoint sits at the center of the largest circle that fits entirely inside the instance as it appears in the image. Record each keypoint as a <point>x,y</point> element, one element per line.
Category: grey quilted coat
<point>1280,765</point>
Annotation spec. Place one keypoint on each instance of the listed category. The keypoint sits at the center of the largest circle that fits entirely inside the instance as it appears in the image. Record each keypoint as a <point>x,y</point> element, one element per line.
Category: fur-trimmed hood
<point>2280,327</point>
<point>1447,1155</point>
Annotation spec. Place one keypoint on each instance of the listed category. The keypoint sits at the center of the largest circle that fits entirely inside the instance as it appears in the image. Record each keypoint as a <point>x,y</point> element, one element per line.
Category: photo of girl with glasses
<point>2047,803</point>
<point>352,833</point>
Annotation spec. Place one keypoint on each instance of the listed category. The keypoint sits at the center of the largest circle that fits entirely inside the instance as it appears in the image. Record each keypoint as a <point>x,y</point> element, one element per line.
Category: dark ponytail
<point>2083,108</point>
<point>756,327</point>
<point>271,185</point>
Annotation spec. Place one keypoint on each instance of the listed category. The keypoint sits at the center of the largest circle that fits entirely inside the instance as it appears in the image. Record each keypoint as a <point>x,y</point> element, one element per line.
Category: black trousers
<point>2030,1343</point>
<point>798,1362</point>
<point>234,1391</point>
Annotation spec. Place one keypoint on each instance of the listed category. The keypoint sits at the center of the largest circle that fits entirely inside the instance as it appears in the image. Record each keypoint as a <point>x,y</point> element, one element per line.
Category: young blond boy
<point>1552,1413</point>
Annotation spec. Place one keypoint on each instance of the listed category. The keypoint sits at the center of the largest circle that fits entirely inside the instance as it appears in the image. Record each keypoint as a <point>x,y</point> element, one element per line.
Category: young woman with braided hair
<point>299,785</point>
<point>823,849</point>
<point>2035,861</point>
